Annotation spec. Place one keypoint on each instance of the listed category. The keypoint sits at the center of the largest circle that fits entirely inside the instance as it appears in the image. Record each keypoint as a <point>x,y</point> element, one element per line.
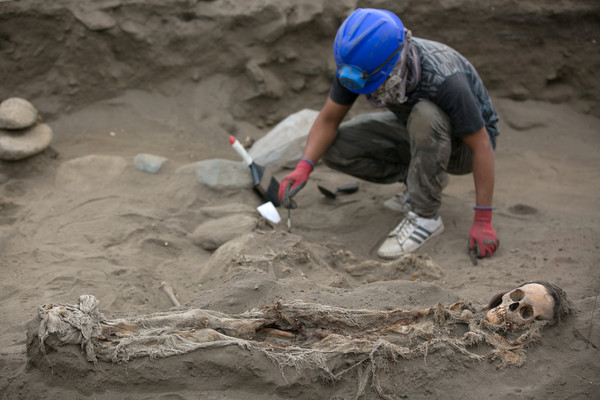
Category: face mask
<point>353,77</point>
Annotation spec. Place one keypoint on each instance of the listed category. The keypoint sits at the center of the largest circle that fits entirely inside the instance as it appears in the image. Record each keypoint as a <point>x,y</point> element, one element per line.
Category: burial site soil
<point>118,78</point>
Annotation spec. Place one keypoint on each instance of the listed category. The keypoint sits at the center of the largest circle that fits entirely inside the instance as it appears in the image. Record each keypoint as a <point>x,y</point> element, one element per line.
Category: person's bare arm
<point>483,166</point>
<point>324,130</point>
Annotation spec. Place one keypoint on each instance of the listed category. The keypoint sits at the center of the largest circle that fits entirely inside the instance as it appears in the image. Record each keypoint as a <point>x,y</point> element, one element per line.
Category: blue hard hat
<point>366,48</point>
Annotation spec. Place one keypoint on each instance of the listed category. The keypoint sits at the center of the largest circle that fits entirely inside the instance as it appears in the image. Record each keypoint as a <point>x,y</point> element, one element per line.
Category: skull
<point>523,305</point>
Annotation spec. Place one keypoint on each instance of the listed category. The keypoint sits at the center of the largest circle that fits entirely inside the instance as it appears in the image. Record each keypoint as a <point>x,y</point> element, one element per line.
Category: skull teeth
<point>497,316</point>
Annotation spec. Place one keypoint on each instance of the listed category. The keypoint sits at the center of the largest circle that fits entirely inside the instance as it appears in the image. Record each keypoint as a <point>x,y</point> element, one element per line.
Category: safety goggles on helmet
<point>354,78</point>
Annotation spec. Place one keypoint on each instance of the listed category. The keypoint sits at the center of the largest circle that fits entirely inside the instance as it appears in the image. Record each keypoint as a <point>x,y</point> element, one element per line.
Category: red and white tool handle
<point>240,150</point>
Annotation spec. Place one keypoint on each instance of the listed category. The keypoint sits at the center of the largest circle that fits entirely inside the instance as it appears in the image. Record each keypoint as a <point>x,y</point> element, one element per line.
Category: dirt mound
<point>65,54</point>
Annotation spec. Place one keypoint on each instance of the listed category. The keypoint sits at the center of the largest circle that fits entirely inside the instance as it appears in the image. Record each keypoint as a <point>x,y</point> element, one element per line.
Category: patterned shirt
<point>450,81</point>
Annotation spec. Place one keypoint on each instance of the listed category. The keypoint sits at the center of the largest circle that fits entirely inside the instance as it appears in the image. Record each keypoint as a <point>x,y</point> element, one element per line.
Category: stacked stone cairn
<point>21,132</point>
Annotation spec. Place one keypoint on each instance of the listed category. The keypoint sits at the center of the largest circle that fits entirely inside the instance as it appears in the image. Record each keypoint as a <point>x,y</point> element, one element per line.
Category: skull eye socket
<point>517,295</point>
<point>526,312</point>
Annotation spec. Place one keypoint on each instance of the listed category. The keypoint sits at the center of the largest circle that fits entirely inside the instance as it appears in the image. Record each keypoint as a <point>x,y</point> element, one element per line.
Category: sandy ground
<point>103,228</point>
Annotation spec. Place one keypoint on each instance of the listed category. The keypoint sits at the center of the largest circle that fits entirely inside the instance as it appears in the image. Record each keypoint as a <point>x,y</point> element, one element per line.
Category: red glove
<point>293,182</point>
<point>482,237</point>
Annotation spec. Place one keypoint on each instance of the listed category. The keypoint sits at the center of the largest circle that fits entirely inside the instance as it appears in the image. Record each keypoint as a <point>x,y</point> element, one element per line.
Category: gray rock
<point>220,174</point>
<point>284,144</point>
<point>148,162</point>
<point>17,145</point>
<point>212,234</point>
<point>94,20</point>
<point>17,113</point>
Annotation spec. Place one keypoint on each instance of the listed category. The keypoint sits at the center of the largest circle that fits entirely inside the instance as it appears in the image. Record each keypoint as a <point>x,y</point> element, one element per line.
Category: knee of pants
<point>428,122</point>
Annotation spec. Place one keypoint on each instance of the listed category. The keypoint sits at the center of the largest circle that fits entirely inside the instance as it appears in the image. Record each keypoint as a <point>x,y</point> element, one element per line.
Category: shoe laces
<point>406,227</point>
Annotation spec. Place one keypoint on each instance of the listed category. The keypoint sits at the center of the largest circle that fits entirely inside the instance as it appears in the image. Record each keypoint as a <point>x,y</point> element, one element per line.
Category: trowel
<point>264,183</point>
<point>345,189</point>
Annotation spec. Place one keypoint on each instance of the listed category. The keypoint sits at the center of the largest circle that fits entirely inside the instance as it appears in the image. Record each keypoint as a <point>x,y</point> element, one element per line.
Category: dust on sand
<point>102,228</point>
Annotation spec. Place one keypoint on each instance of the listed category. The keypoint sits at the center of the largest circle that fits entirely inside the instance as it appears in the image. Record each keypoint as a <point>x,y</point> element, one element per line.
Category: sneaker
<point>400,202</point>
<point>409,235</point>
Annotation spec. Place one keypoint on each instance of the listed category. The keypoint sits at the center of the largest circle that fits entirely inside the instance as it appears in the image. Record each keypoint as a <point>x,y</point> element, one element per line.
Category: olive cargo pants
<point>380,148</point>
